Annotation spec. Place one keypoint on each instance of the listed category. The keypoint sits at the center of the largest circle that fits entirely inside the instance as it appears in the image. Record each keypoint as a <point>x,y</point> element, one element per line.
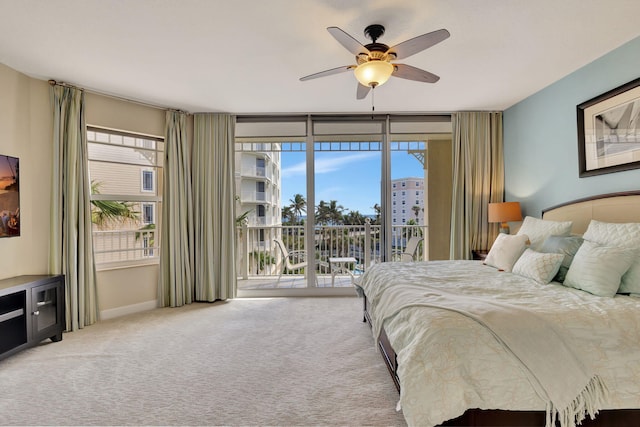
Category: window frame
<point>142,246</point>
<point>143,188</point>
<point>144,213</point>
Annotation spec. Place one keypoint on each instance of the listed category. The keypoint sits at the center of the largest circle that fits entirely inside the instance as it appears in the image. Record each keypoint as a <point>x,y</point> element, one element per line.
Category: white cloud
<point>328,164</point>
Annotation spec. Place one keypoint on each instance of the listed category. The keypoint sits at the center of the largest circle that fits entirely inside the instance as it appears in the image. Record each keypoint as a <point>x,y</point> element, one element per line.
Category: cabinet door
<point>45,309</point>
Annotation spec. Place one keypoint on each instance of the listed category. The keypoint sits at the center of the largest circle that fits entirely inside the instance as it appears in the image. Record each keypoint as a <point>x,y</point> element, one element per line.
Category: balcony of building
<point>340,254</point>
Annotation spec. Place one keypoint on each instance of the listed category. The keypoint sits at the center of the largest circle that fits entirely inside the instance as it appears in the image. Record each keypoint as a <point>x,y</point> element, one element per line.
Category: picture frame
<point>9,196</point>
<point>609,131</point>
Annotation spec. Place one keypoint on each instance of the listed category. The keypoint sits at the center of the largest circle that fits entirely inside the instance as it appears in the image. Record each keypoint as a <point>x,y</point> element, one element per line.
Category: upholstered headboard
<point>614,207</point>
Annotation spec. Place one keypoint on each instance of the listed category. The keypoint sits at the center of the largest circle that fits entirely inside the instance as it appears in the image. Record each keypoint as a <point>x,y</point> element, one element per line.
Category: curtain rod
<point>53,82</point>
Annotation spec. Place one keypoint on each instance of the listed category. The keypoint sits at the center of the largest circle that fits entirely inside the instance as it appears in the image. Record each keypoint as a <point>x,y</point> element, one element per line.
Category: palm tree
<point>335,212</point>
<point>354,218</point>
<point>243,218</point>
<point>322,213</point>
<point>416,210</point>
<point>106,211</point>
<point>298,205</point>
<point>378,210</point>
<point>288,216</point>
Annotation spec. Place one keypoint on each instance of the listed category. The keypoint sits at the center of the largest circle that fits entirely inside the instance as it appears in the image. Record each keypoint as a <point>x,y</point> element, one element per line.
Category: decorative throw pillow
<point>541,267</point>
<point>565,245</point>
<point>506,250</point>
<point>624,235</point>
<point>539,229</point>
<point>598,269</point>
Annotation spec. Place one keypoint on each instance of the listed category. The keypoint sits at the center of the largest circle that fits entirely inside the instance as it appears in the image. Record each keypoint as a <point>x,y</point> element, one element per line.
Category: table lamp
<point>504,212</point>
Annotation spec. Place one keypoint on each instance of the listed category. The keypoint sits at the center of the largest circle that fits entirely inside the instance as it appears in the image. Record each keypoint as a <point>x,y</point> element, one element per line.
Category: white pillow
<point>565,245</point>
<point>541,267</point>
<point>624,235</point>
<point>598,269</point>
<point>539,229</point>
<point>506,250</point>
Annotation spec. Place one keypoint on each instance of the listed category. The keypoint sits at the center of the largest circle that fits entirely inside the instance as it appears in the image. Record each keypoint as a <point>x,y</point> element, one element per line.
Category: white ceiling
<point>246,56</point>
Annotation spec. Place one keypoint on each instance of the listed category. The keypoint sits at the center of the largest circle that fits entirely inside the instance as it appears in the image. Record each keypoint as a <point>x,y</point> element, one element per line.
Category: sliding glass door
<point>319,199</point>
<point>347,207</point>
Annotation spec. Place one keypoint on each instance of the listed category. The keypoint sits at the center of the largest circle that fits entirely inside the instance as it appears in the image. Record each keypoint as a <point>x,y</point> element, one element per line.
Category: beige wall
<point>118,114</point>
<point>440,162</point>
<point>26,132</point>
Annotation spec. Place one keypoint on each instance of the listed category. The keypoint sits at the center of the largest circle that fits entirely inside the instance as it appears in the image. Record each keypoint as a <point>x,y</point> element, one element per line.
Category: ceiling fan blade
<point>412,73</point>
<point>417,44</point>
<point>328,72</point>
<point>363,91</point>
<point>352,45</point>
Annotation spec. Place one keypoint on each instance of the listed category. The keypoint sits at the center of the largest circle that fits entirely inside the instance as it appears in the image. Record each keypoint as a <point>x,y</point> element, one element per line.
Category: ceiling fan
<point>373,61</point>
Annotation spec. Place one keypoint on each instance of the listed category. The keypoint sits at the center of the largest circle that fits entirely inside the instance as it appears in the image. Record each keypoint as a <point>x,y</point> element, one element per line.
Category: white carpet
<point>284,361</point>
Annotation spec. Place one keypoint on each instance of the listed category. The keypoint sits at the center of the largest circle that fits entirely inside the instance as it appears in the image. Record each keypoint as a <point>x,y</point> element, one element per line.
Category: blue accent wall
<point>541,142</point>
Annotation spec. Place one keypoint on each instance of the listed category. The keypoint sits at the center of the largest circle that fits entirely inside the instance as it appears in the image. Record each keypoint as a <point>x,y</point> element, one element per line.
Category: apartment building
<point>407,201</point>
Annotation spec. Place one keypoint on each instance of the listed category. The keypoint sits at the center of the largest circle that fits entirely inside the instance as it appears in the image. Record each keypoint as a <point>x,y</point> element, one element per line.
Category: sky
<point>351,178</point>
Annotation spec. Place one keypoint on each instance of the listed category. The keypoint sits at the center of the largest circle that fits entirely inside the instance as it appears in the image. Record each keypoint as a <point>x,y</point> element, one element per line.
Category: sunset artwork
<point>9,196</point>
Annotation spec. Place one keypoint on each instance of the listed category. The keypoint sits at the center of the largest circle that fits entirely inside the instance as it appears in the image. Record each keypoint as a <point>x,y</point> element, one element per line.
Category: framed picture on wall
<point>9,196</point>
<point>609,131</point>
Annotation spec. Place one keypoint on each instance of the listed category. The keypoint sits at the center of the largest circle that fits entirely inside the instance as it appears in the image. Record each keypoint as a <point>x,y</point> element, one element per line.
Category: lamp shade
<point>504,212</point>
<point>373,73</point>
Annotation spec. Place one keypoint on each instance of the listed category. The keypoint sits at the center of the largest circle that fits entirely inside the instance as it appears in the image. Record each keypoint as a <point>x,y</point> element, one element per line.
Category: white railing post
<point>245,251</point>
<point>425,243</point>
<point>367,243</point>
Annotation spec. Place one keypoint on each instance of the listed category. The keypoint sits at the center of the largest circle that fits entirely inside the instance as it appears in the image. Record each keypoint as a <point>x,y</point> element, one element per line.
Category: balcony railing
<point>259,257</point>
<point>252,196</point>
<point>257,172</point>
<point>125,245</point>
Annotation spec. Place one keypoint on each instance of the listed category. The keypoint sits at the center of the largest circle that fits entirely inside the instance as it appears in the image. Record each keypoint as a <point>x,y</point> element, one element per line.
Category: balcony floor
<point>293,281</point>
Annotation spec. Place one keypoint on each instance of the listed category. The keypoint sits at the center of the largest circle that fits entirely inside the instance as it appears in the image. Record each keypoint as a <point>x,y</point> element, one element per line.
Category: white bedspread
<point>449,363</point>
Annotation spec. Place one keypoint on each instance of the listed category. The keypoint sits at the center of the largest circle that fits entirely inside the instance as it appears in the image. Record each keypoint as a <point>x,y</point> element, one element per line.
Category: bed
<point>469,344</point>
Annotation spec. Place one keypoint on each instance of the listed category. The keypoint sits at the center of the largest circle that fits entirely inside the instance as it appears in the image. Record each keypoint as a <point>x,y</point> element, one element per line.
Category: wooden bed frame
<point>613,207</point>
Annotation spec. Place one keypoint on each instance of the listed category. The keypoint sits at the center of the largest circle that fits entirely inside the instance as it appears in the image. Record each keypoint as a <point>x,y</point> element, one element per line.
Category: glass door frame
<point>407,126</point>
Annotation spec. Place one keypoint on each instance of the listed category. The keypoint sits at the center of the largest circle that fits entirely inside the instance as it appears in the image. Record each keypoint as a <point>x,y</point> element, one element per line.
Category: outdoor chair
<point>294,260</point>
<point>410,251</point>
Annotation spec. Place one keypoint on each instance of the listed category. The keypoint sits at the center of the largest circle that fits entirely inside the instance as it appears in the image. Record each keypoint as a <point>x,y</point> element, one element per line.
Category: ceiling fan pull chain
<point>373,107</point>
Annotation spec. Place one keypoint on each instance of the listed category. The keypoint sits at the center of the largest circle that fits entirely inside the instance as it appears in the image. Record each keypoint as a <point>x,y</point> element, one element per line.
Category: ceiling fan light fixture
<point>373,73</point>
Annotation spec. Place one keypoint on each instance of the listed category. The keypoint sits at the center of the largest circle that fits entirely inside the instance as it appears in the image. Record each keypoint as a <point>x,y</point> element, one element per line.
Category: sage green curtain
<point>176,254</point>
<point>478,178</point>
<point>214,206</point>
<point>71,244</point>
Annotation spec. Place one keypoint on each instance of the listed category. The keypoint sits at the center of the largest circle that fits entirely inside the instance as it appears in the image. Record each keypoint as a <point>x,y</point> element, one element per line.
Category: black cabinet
<point>31,310</point>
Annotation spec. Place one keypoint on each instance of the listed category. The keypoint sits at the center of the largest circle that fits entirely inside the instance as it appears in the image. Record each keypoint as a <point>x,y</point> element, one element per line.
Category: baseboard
<point>128,309</point>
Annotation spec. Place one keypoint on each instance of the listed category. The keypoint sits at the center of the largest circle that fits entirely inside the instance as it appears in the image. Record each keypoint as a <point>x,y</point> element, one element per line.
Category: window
<point>260,167</point>
<point>147,181</point>
<point>147,213</point>
<point>404,184</point>
<point>125,170</point>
